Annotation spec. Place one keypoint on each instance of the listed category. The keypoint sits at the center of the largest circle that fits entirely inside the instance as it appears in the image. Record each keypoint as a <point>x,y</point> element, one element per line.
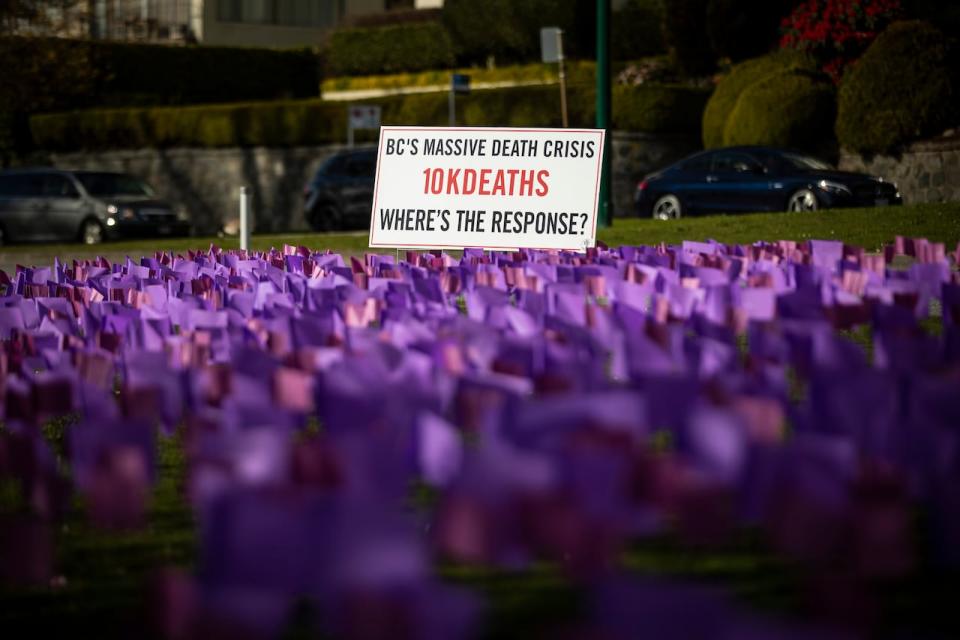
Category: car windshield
<point>113,184</point>
<point>800,161</point>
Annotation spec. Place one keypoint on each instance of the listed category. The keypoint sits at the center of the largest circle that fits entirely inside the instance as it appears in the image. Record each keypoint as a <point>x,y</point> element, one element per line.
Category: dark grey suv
<point>341,193</point>
<point>87,206</point>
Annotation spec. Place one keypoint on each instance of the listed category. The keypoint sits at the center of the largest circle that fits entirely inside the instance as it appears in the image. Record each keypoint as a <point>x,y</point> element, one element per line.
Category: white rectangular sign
<point>492,188</point>
<point>551,44</point>
<point>364,116</point>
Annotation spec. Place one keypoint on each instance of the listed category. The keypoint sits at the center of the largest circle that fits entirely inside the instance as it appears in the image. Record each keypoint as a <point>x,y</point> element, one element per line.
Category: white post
<point>452,104</point>
<point>563,80</point>
<point>244,220</point>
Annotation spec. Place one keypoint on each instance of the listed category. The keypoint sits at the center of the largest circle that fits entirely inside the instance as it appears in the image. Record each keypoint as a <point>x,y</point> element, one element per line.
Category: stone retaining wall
<point>927,171</point>
<point>207,181</point>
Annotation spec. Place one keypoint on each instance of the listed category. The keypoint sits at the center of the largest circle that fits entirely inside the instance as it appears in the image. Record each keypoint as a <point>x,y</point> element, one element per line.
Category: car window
<point>336,166</point>
<point>804,162</point>
<point>113,184</point>
<point>735,163</point>
<point>698,163</point>
<point>8,186</point>
<point>24,185</point>
<point>57,186</point>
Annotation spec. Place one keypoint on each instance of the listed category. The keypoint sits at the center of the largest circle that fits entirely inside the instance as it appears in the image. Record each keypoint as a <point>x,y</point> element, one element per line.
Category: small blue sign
<point>460,83</point>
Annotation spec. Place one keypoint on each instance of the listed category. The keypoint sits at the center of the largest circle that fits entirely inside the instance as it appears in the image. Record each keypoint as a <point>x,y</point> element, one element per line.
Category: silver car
<point>44,205</point>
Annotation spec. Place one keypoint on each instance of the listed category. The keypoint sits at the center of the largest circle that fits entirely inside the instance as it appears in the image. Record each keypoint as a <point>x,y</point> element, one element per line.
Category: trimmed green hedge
<point>123,74</point>
<point>905,87</point>
<point>389,49</point>
<point>794,109</point>
<point>40,75</point>
<point>664,109</point>
<point>578,71</point>
<point>146,74</point>
<point>740,77</point>
<point>290,123</point>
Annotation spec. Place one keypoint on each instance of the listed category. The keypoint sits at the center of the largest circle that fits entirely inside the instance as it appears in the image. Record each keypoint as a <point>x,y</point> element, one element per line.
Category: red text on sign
<point>486,182</point>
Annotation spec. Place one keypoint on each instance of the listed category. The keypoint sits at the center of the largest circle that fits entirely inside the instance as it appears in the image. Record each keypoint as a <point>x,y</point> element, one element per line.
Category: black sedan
<point>756,179</point>
<point>341,192</point>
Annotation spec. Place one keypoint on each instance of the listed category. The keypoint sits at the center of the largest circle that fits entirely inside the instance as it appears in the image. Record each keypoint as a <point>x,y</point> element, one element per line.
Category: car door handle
<point>712,179</point>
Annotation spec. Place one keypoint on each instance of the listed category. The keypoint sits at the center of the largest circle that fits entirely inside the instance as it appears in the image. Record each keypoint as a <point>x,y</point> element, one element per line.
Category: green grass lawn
<point>103,576</point>
<point>869,228</point>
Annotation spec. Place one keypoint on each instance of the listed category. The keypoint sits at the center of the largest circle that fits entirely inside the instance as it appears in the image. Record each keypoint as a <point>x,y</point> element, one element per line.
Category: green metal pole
<point>605,217</point>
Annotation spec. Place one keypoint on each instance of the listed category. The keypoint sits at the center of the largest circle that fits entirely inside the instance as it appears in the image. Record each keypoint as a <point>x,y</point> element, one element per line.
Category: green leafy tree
<point>685,34</point>
<point>67,74</point>
<point>636,30</point>
<point>49,17</point>
<point>739,30</point>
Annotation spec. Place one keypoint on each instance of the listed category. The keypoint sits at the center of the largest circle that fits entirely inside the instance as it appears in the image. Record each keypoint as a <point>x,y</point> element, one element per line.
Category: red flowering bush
<point>837,32</point>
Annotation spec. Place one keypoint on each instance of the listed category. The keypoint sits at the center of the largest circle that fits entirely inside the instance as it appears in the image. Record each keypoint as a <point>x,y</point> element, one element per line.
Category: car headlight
<point>182,214</point>
<point>112,209</point>
<point>835,187</point>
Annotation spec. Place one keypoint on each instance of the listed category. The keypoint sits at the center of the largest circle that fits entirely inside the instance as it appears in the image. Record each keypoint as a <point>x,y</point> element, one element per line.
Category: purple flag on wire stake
<point>546,405</point>
<point>439,450</point>
<point>94,444</point>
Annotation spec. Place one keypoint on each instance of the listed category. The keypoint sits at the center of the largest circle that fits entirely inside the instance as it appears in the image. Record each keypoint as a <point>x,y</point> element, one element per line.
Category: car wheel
<point>803,200</point>
<point>325,217</point>
<point>667,207</point>
<point>91,232</point>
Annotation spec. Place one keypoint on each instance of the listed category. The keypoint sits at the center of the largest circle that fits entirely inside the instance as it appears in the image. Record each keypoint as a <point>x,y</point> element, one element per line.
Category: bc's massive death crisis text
<point>496,147</point>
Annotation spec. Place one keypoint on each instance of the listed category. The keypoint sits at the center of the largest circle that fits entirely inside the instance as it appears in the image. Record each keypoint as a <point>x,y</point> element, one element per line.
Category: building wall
<point>361,7</point>
<point>215,31</point>
<point>237,34</point>
<point>207,181</point>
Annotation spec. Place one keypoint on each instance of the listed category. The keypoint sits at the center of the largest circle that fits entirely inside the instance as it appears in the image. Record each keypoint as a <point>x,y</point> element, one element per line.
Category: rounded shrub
<point>793,109</point>
<point>659,108</point>
<point>903,88</point>
<point>740,77</point>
